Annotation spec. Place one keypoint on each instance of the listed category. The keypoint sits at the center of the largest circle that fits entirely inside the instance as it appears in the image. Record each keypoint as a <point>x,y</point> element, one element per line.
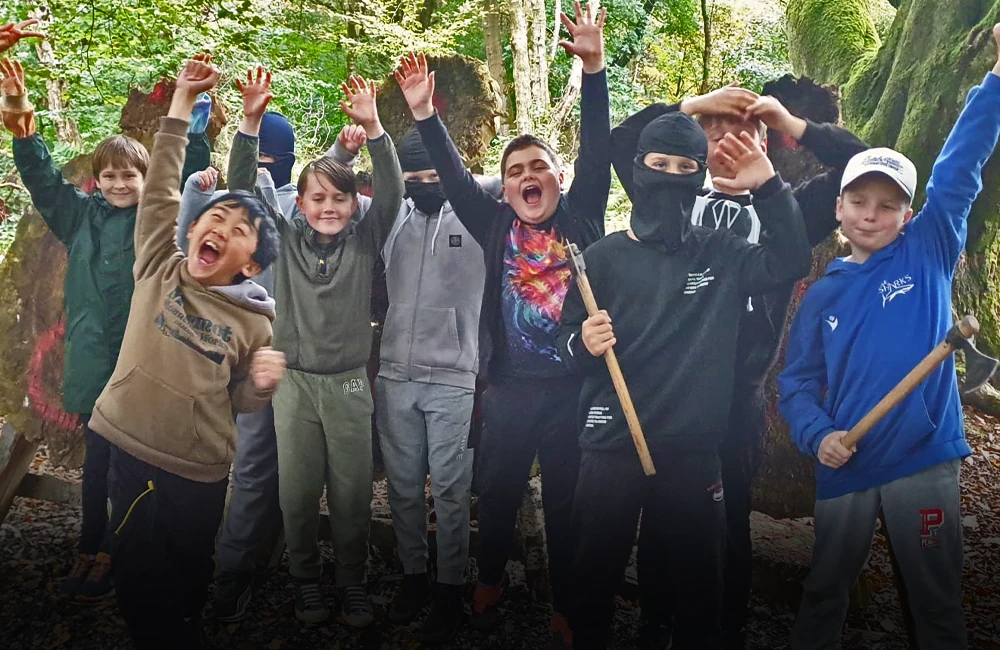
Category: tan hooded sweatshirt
<point>184,365</point>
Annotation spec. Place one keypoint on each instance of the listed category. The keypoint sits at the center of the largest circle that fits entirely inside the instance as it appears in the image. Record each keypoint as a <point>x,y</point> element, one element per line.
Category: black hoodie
<point>674,304</point>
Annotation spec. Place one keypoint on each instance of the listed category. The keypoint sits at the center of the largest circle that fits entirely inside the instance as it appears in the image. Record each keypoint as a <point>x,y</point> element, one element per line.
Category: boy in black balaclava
<point>672,291</point>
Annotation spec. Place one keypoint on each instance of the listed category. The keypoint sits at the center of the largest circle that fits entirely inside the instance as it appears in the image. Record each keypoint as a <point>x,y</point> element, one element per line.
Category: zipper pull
<point>321,267</point>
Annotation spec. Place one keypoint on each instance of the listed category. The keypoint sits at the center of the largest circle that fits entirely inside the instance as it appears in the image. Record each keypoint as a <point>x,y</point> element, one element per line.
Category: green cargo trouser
<point>323,427</point>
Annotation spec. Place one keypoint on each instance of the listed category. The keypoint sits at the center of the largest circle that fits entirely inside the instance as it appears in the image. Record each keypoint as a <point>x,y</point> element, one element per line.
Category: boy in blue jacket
<point>846,341</point>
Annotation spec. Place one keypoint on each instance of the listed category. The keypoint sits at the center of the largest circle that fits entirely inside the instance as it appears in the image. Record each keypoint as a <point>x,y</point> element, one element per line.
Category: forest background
<point>656,50</point>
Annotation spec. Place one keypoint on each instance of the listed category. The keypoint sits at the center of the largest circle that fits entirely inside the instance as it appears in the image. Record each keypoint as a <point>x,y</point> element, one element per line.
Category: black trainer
<point>232,595</point>
<point>655,636</point>
<point>445,616</point>
<point>412,596</point>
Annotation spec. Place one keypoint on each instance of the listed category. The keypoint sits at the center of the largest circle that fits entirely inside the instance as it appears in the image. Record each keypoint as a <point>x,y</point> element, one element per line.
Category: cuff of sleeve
<point>251,138</point>
<point>811,132</point>
<point>382,138</point>
<point>991,82</point>
<point>174,126</point>
<point>816,439</point>
<point>771,187</point>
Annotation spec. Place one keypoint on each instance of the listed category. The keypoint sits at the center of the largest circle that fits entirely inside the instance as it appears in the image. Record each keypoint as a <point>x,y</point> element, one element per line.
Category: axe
<point>580,271</point>
<point>978,369</point>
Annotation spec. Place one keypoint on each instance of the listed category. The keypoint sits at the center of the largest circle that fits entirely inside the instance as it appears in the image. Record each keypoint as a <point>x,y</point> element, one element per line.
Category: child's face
<point>670,164</point>
<point>327,209</point>
<point>422,176</point>
<point>872,212</point>
<point>120,187</point>
<point>716,129</point>
<point>531,184</point>
<point>222,244</point>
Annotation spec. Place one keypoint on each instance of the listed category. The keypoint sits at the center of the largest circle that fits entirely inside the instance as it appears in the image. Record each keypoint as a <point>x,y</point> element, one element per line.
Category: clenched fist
<point>267,368</point>
<point>597,334</point>
<point>832,451</point>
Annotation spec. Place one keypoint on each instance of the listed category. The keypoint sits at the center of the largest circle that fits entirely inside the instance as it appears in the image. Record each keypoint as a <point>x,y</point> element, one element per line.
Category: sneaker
<point>485,615</point>
<point>99,583</point>
<point>310,607</point>
<point>445,615</point>
<point>655,636</point>
<point>354,606</point>
<point>232,595</point>
<point>413,596</point>
<point>81,568</point>
<point>561,634</point>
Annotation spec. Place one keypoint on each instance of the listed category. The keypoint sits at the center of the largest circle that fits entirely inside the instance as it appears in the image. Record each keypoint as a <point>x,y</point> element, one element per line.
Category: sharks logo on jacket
<point>891,290</point>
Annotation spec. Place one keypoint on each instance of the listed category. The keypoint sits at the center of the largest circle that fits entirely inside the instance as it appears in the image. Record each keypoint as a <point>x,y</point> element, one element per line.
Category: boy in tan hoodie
<point>195,351</point>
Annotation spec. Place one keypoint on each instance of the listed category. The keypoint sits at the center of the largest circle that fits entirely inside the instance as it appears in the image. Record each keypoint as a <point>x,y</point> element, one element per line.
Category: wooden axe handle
<point>619,380</point>
<point>967,327</point>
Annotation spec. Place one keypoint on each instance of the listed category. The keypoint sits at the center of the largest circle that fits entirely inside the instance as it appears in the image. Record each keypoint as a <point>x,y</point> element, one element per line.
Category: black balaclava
<point>277,139</point>
<point>428,197</point>
<point>661,207</point>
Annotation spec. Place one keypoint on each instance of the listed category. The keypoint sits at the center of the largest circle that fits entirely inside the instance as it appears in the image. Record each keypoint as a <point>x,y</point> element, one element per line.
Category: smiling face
<point>872,211</point>
<point>532,183</point>
<point>327,208</point>
<point>670,164</point>
<point>221,245</point>
<point>120,187</point>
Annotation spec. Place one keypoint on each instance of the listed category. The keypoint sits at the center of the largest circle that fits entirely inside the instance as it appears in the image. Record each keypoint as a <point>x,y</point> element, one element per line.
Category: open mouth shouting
<point>531,194</point>
<point>209,253</point>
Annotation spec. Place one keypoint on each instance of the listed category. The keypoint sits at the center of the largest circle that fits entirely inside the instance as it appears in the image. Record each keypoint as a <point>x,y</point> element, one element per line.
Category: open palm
<point>360,104</point>
<point>256,92</point>
<point>588,36</point>
<point>198,75</point>
<point>11,33</point>
<point>12,83</point>
<point>417,84</point>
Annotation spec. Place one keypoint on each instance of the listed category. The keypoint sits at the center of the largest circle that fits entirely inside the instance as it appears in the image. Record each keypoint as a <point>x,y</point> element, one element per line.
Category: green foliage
<point>828,37</point>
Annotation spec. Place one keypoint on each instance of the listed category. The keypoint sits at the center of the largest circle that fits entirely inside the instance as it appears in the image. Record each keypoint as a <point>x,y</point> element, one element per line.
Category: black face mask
<point>661,207</point>
<point>428,197</point>
<point>662,202</point>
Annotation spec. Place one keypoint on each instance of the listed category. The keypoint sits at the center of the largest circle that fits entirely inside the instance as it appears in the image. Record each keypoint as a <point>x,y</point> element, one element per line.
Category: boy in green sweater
<point>97,230</point>
<point>322,287</point>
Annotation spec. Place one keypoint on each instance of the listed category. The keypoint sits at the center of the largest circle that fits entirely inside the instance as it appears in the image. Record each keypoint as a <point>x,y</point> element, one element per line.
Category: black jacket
<point>579,216</point>
<point>762,328</point>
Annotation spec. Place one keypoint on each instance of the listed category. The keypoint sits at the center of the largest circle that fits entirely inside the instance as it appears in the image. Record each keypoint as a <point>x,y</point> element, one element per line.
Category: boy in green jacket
<point>97,230</point>
<point>322,289</point>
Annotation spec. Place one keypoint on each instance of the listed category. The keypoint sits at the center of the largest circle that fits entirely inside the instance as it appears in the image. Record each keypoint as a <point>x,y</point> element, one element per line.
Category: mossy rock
<point>465,96</point>
<point>827,38</point>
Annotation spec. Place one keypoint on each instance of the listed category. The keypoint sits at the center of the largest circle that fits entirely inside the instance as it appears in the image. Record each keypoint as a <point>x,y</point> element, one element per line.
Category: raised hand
<point>773,113</point>
<point>588,37</point>
<point>256,93</point>
<point>11,33</point>
<point>417,85</point>
<point>747,166</point>
<point>197,76</point>
<point>12,83</point>
<point>267,368</point>
<point>360,105</point>
<point>207,178</point>
<point>729,100</point>
<point>352,138</point>
<point>597,333</point>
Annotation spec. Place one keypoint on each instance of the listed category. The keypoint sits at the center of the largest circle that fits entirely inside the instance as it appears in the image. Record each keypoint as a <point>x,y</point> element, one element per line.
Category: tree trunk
<point>539,61</point>
<point>706,52</point>
<point>493,37</point>
<point>522,66</point>
<point>66,128</point>
<point>566,103</point>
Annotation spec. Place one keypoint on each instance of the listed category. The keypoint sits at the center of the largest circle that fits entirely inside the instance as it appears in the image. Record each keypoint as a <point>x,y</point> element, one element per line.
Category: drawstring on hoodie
<point>437,229</point>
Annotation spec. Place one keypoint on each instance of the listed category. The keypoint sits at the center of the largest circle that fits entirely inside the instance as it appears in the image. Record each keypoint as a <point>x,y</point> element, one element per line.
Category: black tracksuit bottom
<point>681,543</point>
<point>165,539</point>
<point>520,419</point>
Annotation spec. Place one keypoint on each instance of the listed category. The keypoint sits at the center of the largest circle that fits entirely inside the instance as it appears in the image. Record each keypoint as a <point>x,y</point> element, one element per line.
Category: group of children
<point>172,329</point>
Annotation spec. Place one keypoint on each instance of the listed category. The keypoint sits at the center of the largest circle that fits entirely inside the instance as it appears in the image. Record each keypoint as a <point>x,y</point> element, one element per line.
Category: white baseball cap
<point>887,162</point>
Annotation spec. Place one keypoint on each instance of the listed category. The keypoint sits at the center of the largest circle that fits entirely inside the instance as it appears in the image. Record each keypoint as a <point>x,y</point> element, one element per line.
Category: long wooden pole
<point>634,427</point>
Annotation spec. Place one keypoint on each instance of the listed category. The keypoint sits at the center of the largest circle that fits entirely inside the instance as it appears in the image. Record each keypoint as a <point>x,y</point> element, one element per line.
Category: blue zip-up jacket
<point>862,327</point>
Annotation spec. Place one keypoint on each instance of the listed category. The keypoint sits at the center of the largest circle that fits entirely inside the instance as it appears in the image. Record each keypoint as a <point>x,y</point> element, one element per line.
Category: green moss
<point>827,38</point>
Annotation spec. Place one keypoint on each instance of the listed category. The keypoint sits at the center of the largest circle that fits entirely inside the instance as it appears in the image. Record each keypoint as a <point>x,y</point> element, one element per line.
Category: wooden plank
<point>50,488</point>
<point>16,454</point>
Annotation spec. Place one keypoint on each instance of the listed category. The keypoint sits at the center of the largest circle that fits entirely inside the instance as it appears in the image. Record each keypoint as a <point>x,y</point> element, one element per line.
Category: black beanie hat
<point>412,155</point>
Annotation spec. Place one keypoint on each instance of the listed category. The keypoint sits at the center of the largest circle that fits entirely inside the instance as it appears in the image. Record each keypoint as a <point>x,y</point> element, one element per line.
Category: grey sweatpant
<point>424,428</point>
<point>923,514</point>
<point>324,431</point>
<point>253,518</point>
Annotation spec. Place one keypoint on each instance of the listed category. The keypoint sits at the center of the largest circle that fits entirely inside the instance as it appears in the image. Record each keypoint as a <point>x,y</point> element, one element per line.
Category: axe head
<point>978,367</point>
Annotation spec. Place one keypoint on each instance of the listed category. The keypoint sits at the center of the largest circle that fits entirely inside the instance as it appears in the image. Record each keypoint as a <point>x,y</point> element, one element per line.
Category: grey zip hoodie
<point>434,272</point>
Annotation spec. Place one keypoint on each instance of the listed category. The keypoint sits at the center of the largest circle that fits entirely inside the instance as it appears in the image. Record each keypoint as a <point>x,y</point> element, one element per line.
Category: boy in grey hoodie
<point>425,387</point>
